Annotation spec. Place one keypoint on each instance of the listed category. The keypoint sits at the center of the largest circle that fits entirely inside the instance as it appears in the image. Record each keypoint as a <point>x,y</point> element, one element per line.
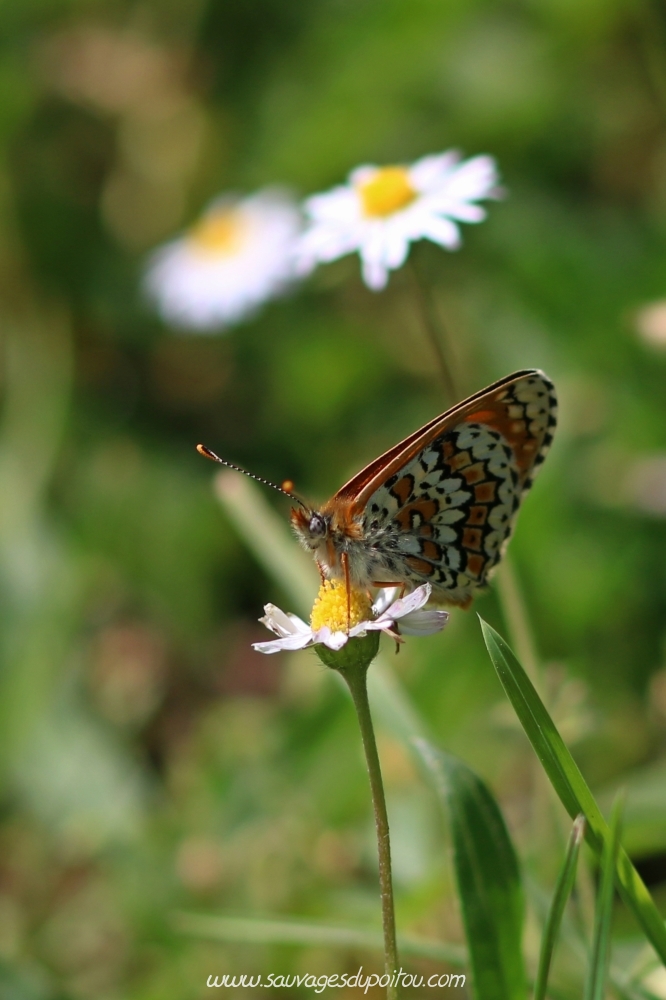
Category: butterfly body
<point>439,507</point>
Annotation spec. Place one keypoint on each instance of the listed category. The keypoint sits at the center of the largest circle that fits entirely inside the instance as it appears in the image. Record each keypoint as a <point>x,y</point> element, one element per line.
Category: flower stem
<point>434,330</point>
<point>357,683</point>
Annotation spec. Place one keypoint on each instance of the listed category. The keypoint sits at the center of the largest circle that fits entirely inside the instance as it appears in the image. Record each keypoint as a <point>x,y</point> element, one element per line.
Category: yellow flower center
<point>330,607</point>
<point>386,192</point>
<point>218,233</point>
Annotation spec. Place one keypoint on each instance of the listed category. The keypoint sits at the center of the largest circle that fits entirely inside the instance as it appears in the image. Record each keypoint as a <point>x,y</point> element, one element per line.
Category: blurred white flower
<point>294,633</point>
<point>650,322</point>
<point>238,255</point>
<point>381,210</point>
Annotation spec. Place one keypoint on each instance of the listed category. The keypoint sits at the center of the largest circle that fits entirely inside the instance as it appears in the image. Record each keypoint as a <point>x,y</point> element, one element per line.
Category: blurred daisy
<point>329,618</point>
<point>650,322</point>
<point>236,256</point>
<point>381,210</point>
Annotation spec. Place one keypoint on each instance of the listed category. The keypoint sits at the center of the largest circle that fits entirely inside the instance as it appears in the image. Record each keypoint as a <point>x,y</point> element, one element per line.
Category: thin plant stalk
<point>651,39</point>
<point>434,330</point>
<point>357,683</point>
<point>563,889</point>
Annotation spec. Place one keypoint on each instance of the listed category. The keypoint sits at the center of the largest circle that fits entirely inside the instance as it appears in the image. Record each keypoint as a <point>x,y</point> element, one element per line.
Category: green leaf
<point>562,892</point>
<point>569,783</point>
<point>604,909</point>
<point>487,876</point>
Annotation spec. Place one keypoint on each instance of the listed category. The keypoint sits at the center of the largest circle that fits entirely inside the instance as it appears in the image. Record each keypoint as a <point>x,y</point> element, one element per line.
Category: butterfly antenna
<point>207,453</point>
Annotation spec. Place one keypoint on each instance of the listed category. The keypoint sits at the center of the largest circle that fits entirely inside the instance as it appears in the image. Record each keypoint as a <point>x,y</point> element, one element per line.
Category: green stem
<point>651,39</point>
<point>432,326</point>
<point>357,683</point>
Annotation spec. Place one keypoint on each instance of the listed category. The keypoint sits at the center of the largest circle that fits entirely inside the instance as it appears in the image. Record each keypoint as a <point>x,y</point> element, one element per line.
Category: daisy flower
<point>381,210</point>
<point>650,322</point>
<point>328,623</point>
<point>235,257</point>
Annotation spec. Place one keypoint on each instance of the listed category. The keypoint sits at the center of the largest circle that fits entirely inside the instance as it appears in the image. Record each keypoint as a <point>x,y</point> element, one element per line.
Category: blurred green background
<point>150,761</point>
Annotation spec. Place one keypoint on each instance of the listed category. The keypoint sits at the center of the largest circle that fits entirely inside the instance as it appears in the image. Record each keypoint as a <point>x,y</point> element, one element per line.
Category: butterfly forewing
<point>440,506</point>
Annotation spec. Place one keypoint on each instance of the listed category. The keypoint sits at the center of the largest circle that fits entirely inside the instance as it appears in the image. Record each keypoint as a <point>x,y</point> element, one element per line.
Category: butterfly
<point>439,507</point>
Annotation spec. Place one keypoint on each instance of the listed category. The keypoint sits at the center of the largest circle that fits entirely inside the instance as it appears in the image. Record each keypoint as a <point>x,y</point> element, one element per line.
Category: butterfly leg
<point>344,559</point>
<point>321,571</point>
<point>394,632</point>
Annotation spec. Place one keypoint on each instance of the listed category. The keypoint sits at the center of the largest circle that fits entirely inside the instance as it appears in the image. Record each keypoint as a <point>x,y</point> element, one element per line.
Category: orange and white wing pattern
<point>447,508</point>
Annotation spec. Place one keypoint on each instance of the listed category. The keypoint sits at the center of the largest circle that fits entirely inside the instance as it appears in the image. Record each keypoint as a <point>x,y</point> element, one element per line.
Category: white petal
<point>429,172</point>
<point>325,242</point>
<point>363,173</point>
<point>340,205</point>
<point>442,231</point>
<point>396,247</point>
<point>409,611</point>
<point>410,603</point>
<point>334,640</point>
<point>454,208</point>
<point>381,625</point>
<point>283,624</point>
<point>360,629</point>
<point>427,621</point>
<point>473,179</point>
<point>374,274</point>
<point>372,252</point>
<point>384,599</point>
<point>289,642</point>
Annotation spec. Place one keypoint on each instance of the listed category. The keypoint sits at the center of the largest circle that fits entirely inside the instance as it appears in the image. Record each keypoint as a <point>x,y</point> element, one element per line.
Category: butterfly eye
<point>317,525</point>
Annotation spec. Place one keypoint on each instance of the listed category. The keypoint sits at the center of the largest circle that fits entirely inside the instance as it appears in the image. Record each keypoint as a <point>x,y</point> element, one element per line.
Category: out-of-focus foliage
<point>149,761</point>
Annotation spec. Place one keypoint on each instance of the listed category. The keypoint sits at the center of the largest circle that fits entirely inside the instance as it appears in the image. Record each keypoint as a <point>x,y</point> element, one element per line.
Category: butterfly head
<point>311,526</point>
<point>332,535</point>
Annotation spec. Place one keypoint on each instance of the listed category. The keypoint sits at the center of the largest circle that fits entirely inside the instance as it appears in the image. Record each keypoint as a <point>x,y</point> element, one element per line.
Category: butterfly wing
<point>440,506</point>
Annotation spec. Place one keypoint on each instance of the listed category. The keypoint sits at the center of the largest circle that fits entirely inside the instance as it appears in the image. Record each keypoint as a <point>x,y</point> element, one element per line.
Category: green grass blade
<point>569,783</point>
<point>250,930</point>
<point>604,910</point>
<point>487,875</point>
<point>562,892</point>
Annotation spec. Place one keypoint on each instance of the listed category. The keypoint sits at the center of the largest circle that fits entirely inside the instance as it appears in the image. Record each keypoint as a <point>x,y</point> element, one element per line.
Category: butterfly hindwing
<point>445,513</point>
